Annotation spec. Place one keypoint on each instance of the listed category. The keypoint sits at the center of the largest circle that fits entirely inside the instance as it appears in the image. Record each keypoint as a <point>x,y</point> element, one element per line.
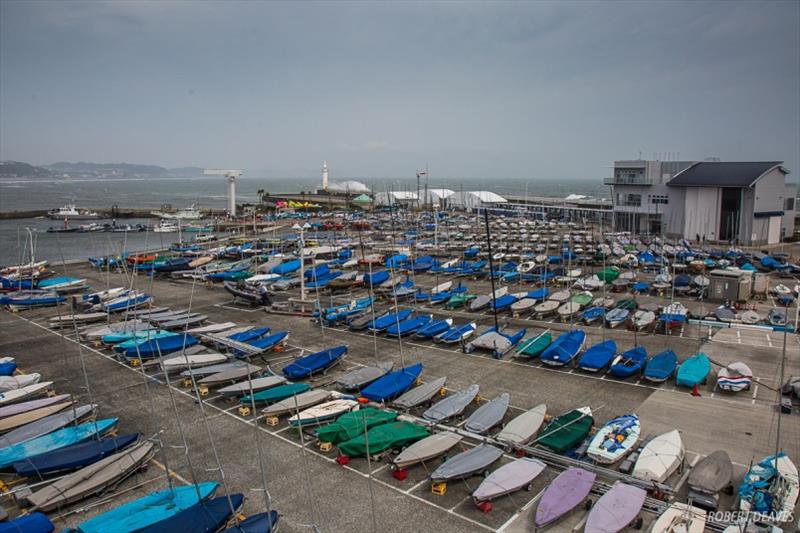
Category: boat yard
<point>309,487</point>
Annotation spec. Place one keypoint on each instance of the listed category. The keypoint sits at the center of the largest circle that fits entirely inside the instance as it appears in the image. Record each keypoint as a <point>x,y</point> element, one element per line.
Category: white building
<point>474,199</point>
<point>437,197</point>
<point>396,198</point>
<point>747,202</point>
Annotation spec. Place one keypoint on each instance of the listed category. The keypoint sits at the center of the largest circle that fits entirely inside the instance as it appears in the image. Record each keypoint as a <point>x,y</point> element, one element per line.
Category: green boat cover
<point>627,303</point>
<point>582,298</point>
<point>608,274</point>
<point>535,346</point>
<point>392,435</point>
<point>351,425</point>
<point>566,431</point>
<point>275,394</point>
<point>458,300</point>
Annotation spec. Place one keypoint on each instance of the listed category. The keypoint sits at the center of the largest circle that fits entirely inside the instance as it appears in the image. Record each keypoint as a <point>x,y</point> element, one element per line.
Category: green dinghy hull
<point>275,394</point>
<point>567,431</point>
<point>535,346</point>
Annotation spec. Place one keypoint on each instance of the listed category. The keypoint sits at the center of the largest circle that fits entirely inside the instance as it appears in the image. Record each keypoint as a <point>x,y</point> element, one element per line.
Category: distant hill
<point>82,169</point>
<point>18,169</point>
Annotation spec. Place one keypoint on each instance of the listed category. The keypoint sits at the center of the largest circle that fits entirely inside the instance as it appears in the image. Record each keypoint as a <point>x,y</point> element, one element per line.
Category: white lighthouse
<point>324,175</point>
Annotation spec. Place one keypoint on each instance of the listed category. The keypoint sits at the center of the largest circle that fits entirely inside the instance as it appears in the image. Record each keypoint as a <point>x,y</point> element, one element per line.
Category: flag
<point>422,173</point>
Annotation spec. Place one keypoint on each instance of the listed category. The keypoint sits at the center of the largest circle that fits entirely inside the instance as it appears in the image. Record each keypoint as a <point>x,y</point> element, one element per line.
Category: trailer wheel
<point>588,504</point>
<point>638,524</point>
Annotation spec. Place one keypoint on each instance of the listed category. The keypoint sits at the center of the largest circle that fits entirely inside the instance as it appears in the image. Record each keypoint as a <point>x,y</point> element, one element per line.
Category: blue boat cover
<point>392,384</point>
<point>7,369</point>
<point>31,523</point>
<point>539,294</point>
<point>376,278</point>
<point>148,510</point>
<point>661,366</point>
<point>73,457</point>
<point>305,366</point>
<point>565,347</point>
<point>385,321</point>
<point>592,313</point>
<point>265,343</point>
<point>456,332</point>
<point>286,268</point>
<point>257,523</point>
<point>630,363</point>
<point>205,517</point>
<point>694,370</point>
<point>504,302</point>
<point>157,347</point>
<point>433,328</point>
<point>598,356</point>
<point>408,325</point>
<point>56,440</point>
<point>250,335</point>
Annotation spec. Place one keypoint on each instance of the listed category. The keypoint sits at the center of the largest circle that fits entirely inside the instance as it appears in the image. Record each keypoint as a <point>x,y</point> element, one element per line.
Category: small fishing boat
<point>314,363</point>
<point>392,384</point>
<point>297,402</point>
<point>364,375</point>
<point>617,509</point>
<point>488,415</point>
<point>660,457</point>
<point>565,432</point>
<point>426,449</point>
<point>451,406</point>
<point>564,349</point>
<point>661,366</point>
<point>509,478</point>
<point>598,356</point>
<point>420,394</point>
<point>147,511</point>
<point>615,439</point>
<point>712,474</point>
<point>681,518</point>
<point>735,377</point>
<point>384,437</point>
<point>521,429</point>
<point>630,362</point>
<point>496,342</point>
<point>408,326</point>
<point>352,424</point>
<point>565,493</point>
<point>467,463</point>
<point>457,333</point>
<point>693,371</point>
<point>323,412</point>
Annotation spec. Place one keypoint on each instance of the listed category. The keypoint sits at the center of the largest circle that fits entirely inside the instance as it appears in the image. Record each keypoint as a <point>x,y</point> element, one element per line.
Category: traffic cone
<point>695,390</point>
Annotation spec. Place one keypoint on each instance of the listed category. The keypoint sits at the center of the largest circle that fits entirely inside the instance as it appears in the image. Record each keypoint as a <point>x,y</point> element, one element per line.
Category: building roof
<point>488,197</point>
<point>724,174</point>
<point>399,195</point>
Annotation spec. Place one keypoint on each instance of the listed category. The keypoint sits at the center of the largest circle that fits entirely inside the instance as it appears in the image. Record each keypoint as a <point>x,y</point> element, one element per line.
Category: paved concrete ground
<point>308,487</point>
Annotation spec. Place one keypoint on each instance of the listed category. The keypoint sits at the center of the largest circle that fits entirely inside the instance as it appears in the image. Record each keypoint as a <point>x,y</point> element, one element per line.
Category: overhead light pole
<point>302,229</point>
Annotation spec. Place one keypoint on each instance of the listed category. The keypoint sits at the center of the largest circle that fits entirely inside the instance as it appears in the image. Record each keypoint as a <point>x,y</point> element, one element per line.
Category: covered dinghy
<point>148,510</point>
<point>498,343</point>
<point>467,463</point>
<point>383,437</point>
<point>203,517</point>
<point>569,489</point>
<point>29,523</point>
<point>508,478</point>
<point>73,457</point>
<point>316,362</point>
<point>352,424</point>
<point>257,523</point>
<point>392,384</point>
<point>616,509</point>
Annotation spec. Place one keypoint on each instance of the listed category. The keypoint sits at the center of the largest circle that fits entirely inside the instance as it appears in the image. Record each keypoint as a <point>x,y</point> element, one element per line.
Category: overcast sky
<point>529,90</point>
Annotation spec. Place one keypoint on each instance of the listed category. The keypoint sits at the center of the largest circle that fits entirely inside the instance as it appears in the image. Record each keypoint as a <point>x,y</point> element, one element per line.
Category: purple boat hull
<point>616,509</point>
<point>564,494</point>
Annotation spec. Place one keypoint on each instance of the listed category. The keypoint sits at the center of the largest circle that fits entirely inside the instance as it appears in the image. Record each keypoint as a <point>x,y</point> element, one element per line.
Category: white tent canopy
<point>475,199</point>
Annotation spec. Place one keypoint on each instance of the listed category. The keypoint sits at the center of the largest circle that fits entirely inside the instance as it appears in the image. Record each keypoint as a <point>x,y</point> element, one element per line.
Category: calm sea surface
<point>207,192</point>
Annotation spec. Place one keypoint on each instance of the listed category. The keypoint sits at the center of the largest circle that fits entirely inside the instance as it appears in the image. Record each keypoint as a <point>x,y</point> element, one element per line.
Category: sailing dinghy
<point>617,509</point>
<point>420,394</point>
<point>426,449</point>
<point>488,415</point>
<point>615,439</point>
<point>473,461</point>
<point>452,405</point>
<point>509,478</point>
<point>392,384</point>
<point>660,457</point>
<point>521,429</point>
<point>565,493</point>
<point>316,362</point>
<point>364,375</point>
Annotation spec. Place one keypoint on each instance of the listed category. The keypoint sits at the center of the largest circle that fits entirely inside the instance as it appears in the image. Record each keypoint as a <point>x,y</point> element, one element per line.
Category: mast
<point>491,266</point>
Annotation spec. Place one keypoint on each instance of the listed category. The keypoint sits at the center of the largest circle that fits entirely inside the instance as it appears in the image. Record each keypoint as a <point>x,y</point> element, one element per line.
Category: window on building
<point>629,200</point>
<point>659,199</point>
<point>788,204</point>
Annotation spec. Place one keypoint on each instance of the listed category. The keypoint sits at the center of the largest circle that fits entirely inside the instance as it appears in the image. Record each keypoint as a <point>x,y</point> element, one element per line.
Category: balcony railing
<point>624,180</point>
